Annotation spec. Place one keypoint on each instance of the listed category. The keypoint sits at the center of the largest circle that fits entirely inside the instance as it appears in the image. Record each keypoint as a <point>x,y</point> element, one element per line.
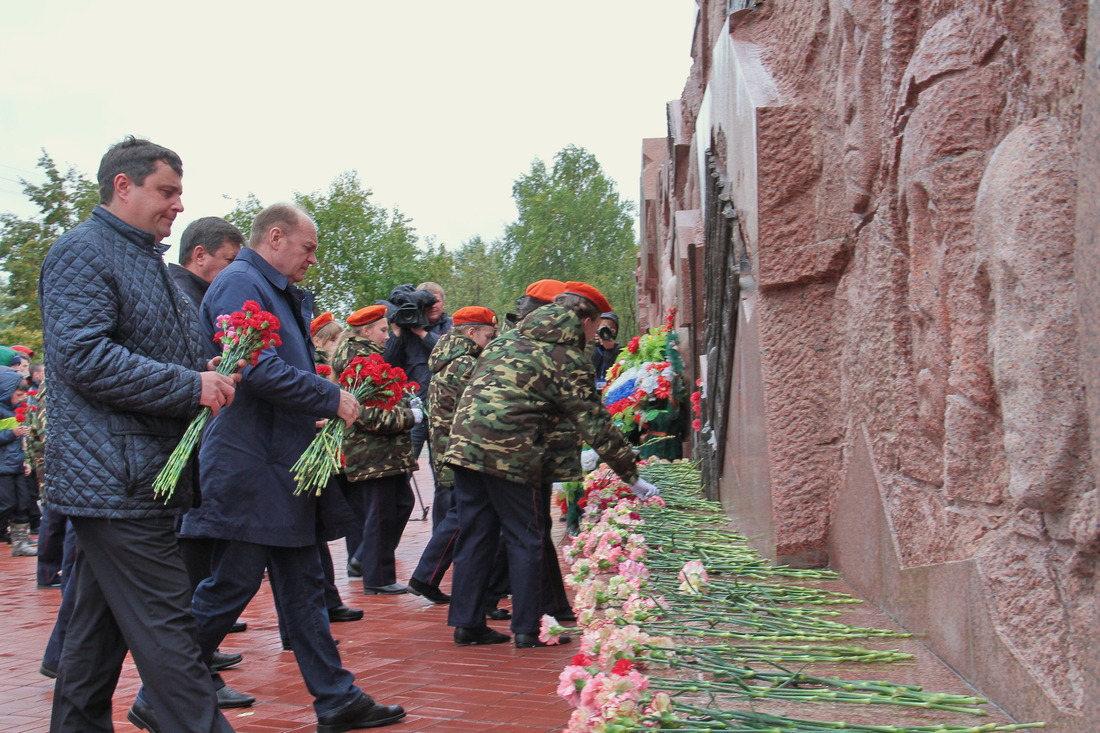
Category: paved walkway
<point>401,652</point>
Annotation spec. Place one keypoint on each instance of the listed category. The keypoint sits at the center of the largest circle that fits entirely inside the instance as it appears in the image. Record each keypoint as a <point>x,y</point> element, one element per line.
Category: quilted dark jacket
<point>123,359</point>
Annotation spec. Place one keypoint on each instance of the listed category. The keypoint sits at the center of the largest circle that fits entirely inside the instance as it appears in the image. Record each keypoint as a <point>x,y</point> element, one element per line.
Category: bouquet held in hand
<point>375,384</point>
<point>244,335</point>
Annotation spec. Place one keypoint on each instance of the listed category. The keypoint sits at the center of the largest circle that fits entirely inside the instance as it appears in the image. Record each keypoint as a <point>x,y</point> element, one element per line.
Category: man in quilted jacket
<point>127,374</point>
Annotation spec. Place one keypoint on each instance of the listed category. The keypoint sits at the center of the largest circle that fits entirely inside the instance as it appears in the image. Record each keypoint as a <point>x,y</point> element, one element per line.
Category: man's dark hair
<point>284,216</point>
<point>210,233</point>
<point>137,159</point>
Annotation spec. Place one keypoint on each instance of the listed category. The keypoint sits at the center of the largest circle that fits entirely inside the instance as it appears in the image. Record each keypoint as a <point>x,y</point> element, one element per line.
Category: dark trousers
<point>554,597</point>
<point>13,499</point>
<point>439,552</point>
<point>490,508</point>
<point>388,502</point>
<point>332,593</point>
<point>52,656</point>
<point>297,581</point>
<point>353,495</point>
<point>132,593</point>
<point>51,546</point>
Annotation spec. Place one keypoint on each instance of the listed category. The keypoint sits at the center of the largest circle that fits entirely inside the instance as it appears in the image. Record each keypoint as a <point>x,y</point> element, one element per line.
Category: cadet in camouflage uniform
<point>561,462</point>
<point>379,459</point>
<point>452,364</point>
<point>524,382</point>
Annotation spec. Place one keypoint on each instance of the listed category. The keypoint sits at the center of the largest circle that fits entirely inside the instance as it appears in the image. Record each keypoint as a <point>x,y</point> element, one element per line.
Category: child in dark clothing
<point>13,505</point>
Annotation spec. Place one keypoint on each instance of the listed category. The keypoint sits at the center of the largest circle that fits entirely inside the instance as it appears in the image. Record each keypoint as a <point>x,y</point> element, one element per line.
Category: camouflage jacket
<point>525,382</point>
<point>451,364</point>
<point>378,443</point>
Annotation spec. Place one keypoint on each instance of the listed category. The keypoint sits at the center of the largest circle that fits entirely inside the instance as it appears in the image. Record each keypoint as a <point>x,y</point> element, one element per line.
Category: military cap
<point>474,315</point>
<point>319,321</point>
<point>589,293</point>
<point>545,290</point>
<point>370,314</point>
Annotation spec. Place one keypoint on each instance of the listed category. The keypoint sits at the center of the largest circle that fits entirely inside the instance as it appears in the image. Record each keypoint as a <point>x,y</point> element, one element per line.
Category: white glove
<point>643,489</point>
<point>418,415</point>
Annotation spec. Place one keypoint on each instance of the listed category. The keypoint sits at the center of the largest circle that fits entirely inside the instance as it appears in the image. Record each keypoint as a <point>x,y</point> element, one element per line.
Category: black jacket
<point>123,357</point>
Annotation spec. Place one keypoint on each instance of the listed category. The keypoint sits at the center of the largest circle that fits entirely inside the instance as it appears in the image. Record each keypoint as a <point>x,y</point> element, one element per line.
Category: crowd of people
<point>131,359</point>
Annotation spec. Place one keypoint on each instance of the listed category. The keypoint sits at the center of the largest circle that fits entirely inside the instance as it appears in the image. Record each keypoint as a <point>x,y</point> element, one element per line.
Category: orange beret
<point>370,314</point>
<point>589,293</point>
<point>319,321</point>
<point>474,315</point>
<point>545,290</point>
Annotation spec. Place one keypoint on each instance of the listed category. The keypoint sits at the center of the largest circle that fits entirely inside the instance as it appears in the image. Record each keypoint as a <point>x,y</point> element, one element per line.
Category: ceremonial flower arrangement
<point>375,384</point>
<point>243,336</point>
<point>644,379</point>
<point>681,631</point>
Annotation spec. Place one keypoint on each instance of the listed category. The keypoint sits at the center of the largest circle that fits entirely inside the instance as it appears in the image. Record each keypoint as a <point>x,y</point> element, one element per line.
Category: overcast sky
<point>439,106</point>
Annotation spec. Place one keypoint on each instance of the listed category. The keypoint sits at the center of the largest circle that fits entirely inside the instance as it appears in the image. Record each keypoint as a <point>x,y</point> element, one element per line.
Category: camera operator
<point>417,320</point>
<point>607,351</point>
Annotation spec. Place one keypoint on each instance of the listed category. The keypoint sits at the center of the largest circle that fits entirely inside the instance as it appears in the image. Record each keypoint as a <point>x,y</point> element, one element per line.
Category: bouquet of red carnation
<point>244,335</point>
<point>374,384</point>
<point>21,413</point>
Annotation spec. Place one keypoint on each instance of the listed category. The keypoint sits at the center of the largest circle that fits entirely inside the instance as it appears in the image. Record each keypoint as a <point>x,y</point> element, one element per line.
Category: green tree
<point>573,225</point>
<point>63,200</point>
<point>477,280</point>
<point>364,251</point>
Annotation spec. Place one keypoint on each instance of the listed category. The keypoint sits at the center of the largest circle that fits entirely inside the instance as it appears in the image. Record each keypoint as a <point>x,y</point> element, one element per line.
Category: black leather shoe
<point>384,590</point>
<point>238,627</point>
<point>355,570</point>
<point>363,713</point>
<point>479,635</point>
<point>230,698</point>
<point>143,717</point>
<point>49,586</point>
<point>343,613</point>
<point>498,614</point>
<point>530,641</point>
<point>47,671</point>
<point>431,592</point>
<point>220,661</point>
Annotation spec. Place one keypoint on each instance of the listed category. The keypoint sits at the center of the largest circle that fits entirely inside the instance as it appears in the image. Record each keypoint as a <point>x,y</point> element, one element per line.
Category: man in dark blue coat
<point>249,506</point>
<point>127,374</point>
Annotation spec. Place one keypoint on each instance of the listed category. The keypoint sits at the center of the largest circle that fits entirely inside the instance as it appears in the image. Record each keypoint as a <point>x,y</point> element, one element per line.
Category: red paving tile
<point>400,653</point>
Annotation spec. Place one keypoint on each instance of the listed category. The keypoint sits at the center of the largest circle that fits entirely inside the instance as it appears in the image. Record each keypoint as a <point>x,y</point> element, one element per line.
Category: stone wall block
<point>799,367</point>
<point>1024,228</point>
<point>1022,590</point>
<point>974,460</point>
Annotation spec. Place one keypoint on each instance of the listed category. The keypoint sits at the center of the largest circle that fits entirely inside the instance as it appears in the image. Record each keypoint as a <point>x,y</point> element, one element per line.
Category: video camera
<point>606,333</point>
<point>410,307</point>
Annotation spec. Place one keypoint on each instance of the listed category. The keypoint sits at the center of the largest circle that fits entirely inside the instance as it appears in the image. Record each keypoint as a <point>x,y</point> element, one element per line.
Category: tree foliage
<point>572,225</point>
<point>63,201</point>
<point>477,278</point>
<point>364,249</point>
